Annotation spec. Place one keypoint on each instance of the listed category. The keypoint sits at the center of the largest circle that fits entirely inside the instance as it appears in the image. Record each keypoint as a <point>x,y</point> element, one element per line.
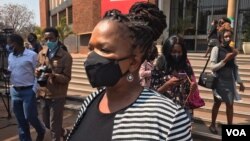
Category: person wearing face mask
<point>147,67</point>
<point>124,110</point>
<point>212,37</point>
<point>9,47</point>
<point>173,71</point>
<point>36,46</point>
<point>53,74</point>
<point>224,67</point>
<point>21,65</point>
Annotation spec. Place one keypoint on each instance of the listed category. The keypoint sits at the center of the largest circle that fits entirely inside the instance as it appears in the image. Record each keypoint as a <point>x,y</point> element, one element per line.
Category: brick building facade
<point>81,16</point>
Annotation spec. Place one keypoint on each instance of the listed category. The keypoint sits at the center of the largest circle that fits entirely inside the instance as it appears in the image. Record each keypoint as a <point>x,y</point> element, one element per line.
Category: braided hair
<point>145,23</point>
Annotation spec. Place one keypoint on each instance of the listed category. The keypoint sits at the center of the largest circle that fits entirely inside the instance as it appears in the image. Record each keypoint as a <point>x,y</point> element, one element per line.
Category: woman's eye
<point>105,50</point>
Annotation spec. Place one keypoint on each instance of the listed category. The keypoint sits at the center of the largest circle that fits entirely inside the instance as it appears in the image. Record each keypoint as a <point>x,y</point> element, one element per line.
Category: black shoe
<point>213,130</point>
<point>40,136</point>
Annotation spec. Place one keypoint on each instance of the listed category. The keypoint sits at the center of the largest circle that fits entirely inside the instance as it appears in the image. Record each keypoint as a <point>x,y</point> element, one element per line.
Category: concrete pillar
<point>67,16</point>
<point>231,10</point>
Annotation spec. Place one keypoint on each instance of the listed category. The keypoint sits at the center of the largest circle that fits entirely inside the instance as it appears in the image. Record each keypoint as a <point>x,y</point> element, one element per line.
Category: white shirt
<point>22,68</point>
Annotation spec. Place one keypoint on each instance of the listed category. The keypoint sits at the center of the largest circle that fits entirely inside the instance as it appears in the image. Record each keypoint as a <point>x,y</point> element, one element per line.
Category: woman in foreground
<point>124,110</point>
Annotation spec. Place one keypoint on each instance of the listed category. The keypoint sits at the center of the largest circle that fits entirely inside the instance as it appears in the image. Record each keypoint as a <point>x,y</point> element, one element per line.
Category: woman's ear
<point>136,60</point>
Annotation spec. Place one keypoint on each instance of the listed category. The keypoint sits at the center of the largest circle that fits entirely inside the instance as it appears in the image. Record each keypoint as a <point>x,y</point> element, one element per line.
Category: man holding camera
<point>21,66</point>
<point>53,75</point>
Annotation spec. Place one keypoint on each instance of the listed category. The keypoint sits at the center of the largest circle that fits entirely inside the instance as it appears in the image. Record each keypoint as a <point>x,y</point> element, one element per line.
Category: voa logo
<point>236,132</point>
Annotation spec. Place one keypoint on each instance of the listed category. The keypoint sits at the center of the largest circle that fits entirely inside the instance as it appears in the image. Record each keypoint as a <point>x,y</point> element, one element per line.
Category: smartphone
<point>182,75</point>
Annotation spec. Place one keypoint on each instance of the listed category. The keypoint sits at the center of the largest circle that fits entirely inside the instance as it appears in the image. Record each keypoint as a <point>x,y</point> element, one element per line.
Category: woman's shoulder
<point>151,97</point>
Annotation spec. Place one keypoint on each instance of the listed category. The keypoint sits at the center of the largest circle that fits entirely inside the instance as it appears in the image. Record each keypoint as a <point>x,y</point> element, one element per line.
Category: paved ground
<point>8,127</point>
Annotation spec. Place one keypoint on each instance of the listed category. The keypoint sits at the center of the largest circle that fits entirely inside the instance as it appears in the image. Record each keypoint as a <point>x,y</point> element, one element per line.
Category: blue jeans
<point>25,110</point>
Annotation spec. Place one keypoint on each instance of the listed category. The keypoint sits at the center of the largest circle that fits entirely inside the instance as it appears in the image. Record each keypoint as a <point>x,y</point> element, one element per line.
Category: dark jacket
<point>61,64</point>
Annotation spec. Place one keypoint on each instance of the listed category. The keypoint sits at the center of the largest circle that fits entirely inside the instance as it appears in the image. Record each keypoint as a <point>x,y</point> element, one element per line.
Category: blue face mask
<point>53,48</point>
<point>52,45</point>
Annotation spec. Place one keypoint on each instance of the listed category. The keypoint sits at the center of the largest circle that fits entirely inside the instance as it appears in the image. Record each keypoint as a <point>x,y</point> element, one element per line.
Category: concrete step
<point>239,106</point>
<point>79,92</point>
<point>200,132</point>
<point>204,116</point>
<point>203,62</point>
<point>72,104</point>
<point>200,55</point>
<point>208,93</point>
<point>244,115</point>
<point>246,84</point>
<point>77,67</point>
<point>80,63</point>
<point>246,79</point>
<point>78,73</point>
<point>238,60</point>
<point>242,73</point>
<point>79,79</point>
<point>198,69</point>
<point>80,84</point>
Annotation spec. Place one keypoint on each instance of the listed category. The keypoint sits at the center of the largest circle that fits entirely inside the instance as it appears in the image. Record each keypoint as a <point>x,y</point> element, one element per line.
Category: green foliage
<point>246,35</point>
<point>39,33</point>
<point>181,26</point>
<point>246,27</point>
<point>63,29</point>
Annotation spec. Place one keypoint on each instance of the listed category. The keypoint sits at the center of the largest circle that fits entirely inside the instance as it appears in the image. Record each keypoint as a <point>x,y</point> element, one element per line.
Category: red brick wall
<point>44,13</point>
<point>86,14</point>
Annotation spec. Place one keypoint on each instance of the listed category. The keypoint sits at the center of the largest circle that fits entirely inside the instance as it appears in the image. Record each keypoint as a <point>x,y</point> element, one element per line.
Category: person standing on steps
<point>212,38</point>
<point>224,67</point>
<point>146,68</point>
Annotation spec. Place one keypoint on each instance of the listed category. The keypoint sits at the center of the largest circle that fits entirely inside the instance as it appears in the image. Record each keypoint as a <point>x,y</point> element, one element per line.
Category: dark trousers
<point>52,113</point>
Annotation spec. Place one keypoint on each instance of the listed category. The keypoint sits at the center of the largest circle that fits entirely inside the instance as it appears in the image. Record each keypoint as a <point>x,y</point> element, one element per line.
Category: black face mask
<point>102,71</point>
<point>176,58</point>
<point>226,43</point>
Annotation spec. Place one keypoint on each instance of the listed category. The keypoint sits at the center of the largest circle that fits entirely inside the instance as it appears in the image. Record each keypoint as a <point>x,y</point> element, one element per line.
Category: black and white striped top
<point>151,117</point>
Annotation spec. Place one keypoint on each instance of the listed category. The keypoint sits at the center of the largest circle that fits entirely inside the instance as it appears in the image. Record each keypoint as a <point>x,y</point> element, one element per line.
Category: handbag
<point>207,79</point>
<point>195,101</point>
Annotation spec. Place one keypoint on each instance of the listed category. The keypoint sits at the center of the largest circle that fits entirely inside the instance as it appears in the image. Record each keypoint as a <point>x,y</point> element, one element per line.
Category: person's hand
<point>37,72</point>
<point>229,57</point>
<point>51,75</point>
<point>174,81</point>
<point>242,87</point>
<point>235,51</point>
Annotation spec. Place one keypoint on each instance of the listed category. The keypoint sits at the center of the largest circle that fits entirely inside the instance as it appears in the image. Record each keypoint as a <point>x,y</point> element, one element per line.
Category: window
<point>183,17</point>
<point>54,20</point>
<point>62,14</point>
<point>70,15</point>
<point>84,39</point>
<point>210,9</point>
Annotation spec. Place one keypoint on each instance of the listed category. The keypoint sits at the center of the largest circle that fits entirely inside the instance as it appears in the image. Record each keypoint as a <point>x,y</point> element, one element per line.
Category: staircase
<point>79,88</point>
<point>202,116</point>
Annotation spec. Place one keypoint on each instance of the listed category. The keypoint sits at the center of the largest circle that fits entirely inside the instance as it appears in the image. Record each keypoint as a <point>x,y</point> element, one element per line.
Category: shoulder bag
<point>207,79</point>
